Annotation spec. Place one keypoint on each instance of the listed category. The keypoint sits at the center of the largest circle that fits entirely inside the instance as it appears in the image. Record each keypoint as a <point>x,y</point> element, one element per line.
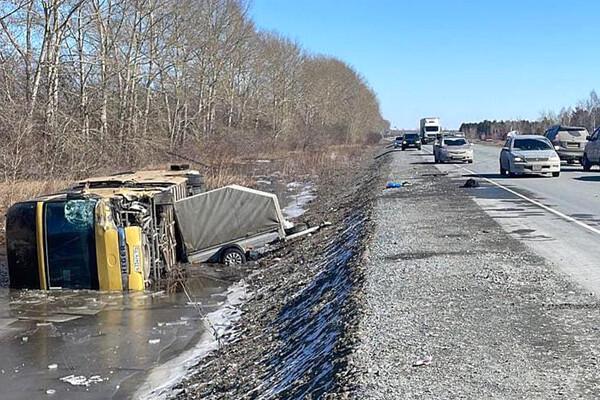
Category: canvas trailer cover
<point>227,215</point>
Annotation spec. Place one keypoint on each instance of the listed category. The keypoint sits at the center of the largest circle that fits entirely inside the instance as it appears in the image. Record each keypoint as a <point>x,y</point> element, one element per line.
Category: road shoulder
<point>456,308</point>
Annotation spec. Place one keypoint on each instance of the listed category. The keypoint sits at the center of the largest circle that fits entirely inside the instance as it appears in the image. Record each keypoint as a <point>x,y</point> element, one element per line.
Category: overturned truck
<point>127,231</point>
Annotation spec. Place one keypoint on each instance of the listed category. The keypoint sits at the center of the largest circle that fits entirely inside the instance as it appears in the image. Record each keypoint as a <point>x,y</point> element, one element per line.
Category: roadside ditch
<point>296,331</point>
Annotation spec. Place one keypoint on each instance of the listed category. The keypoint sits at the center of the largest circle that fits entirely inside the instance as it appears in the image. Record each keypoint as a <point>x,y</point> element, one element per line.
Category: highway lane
<point>558,218</point>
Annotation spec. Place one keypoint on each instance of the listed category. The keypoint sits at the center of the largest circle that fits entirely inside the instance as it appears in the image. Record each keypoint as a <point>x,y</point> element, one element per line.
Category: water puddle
<point>94,345</point>
<point>218,324</point>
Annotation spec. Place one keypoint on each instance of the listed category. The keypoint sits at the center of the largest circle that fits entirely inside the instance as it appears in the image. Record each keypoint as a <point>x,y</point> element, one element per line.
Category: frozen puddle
<point>93,345</point>
<point>160,381</point>
<point>304,194</point>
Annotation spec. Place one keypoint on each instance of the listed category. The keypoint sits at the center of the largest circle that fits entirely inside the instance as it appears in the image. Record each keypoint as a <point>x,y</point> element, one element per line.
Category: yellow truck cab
<point>108,233</point>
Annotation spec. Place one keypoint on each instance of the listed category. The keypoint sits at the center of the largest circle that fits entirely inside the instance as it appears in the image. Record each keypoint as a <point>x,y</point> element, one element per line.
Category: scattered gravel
<point>455,308</point>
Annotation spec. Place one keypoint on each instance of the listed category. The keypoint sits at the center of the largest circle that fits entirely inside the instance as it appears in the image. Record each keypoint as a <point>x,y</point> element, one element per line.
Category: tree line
<point>586,113</point>
<point>91,83</point>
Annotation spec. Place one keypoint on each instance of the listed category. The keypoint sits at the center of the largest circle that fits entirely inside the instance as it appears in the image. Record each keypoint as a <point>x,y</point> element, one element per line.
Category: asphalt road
<point>558,218</point>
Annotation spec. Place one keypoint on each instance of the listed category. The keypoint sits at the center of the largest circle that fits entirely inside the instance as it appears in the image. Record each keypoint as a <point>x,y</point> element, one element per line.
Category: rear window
<point>572,134</point>
<point>455,142</point>
<point>531,144</point>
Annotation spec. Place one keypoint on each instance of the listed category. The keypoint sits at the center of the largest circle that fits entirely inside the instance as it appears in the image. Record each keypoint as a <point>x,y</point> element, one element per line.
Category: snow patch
<point>81,380</point>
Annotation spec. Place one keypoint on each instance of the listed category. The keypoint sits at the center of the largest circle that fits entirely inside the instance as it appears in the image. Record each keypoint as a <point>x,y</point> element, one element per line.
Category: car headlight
<point>418,141</point>
<point>518,159</point>
<point>405,142</point>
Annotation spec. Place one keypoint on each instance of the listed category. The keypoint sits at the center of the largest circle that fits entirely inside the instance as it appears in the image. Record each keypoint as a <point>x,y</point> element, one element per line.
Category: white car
<point>529,154</point>
<point>453,149</point>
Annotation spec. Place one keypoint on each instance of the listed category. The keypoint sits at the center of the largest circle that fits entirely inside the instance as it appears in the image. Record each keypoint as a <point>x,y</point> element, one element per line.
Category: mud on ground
<point>294,335</point>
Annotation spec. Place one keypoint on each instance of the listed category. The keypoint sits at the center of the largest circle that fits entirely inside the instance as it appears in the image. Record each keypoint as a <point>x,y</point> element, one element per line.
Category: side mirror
<point>505,148</point>
<point>588,137</point>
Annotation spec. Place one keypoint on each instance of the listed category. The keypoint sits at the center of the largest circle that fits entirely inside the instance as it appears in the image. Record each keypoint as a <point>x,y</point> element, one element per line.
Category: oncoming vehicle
<point>452,149</point>
<point>529,154</point>
<point>568,141</point>
<point>411,140</point>
<point>429,128</point>
<point>591,154</point>
<point>398,142</point>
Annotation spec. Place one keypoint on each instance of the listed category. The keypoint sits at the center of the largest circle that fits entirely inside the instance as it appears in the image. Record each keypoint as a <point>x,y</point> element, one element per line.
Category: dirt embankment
<point>295,333</point>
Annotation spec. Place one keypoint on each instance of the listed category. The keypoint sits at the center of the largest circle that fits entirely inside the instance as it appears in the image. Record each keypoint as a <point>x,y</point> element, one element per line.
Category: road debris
<point>395,185</point>
<point>471,183</point>
<point>423,361</point>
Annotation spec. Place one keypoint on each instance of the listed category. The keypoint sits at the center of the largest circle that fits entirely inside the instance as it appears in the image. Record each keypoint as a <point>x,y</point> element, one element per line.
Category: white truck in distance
<point>429,129</point>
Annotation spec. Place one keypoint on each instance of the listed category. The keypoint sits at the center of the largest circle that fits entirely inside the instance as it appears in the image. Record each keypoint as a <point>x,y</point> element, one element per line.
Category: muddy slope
<point>295,333</point>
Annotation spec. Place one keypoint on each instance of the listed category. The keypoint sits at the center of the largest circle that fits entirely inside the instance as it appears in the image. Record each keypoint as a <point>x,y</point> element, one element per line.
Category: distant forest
<point>586,113</point>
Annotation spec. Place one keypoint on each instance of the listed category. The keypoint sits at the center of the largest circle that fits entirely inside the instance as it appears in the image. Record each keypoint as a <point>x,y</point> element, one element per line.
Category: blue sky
<point>459,60</point>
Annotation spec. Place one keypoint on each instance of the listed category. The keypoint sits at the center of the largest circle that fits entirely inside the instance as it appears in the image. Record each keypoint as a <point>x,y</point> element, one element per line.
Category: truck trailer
<point>127,231</point>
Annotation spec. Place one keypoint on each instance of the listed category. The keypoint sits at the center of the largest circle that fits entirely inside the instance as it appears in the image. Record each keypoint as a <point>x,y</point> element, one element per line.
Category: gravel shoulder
<point>453,307</point>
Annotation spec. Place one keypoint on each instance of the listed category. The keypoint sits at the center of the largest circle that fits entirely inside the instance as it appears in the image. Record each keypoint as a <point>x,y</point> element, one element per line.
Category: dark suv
<point>411,140</point>
<point>568,141</point>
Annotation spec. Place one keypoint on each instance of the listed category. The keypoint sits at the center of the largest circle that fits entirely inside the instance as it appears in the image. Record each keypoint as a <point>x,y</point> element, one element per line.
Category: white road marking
<point>532,201</point>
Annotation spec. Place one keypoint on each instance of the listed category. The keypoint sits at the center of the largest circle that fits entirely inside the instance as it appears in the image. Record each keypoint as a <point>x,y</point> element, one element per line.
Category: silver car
<point>529,154</point>
<point>452,149</point>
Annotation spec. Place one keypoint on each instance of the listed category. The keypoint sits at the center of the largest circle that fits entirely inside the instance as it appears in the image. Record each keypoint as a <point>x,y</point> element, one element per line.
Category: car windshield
<point>431,129</point>
<point>412,137</point>
<point>455,142</point>
<point>398,137</point>
<point>531,144</point>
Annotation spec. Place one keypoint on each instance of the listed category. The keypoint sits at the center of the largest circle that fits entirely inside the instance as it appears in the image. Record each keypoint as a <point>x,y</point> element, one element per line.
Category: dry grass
<point>12,192</point>
<point>225,171</point>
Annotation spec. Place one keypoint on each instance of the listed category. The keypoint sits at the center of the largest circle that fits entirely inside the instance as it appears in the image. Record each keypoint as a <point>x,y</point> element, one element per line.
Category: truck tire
<point>556,174</point>
<point>233,256</point>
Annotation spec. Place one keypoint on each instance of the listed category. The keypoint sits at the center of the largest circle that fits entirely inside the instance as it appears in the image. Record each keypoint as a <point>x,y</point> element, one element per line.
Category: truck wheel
<point>556,174</point>
<point>502,171</point>
<point>233,256</point>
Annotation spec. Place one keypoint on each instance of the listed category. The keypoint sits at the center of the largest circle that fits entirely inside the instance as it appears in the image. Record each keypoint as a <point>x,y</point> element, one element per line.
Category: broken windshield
<point>70,244</point>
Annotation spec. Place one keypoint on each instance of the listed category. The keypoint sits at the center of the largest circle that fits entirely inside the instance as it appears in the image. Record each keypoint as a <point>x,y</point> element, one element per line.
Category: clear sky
<point>457,59</point>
